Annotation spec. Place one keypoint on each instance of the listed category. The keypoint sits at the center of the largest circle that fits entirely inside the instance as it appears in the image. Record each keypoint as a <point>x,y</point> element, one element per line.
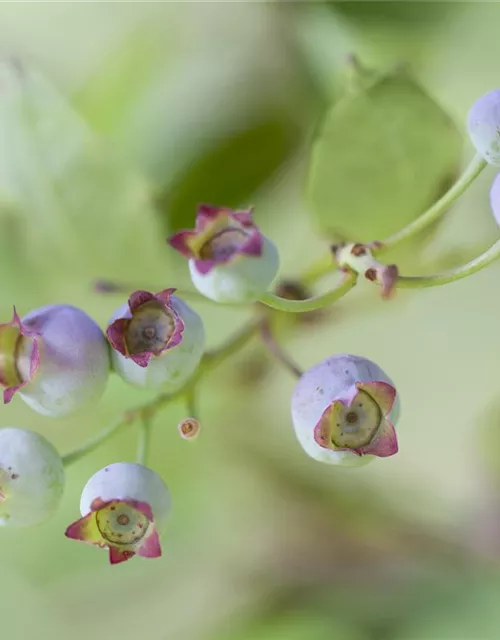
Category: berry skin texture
<point>495,198</point>
<point>31,478</point>
<point>230,261</point>
<point>483,124</point>
<point>344,410</point>
<point>124,507</point>
<point>157,340</point>
<point>56,358</point>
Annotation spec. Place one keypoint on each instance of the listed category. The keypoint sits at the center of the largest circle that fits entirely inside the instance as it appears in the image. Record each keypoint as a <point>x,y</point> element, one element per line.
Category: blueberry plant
<point>344,410</point>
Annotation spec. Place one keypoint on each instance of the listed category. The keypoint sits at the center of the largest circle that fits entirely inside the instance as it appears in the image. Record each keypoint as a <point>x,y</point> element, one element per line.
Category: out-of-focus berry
<point>495,198</point>
<point>483,124</point>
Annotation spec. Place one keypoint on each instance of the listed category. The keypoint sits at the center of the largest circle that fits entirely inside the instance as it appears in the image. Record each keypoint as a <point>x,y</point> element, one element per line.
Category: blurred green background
<point>115,120</point>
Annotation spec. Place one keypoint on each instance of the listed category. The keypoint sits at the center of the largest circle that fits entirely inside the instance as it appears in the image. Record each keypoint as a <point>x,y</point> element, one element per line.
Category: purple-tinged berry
<point>31,478</point>
<point>344,410</point>
<point>229,259</point>
<point>56,357</point>
<point>495,198</point>
<point>483,124</point>
<point>124,508</point>
<point>157,340</point>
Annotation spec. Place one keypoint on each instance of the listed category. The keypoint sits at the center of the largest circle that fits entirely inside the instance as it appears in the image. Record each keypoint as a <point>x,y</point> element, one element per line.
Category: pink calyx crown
<point>144,303</point>
<point>11,335</point>
<point>383,443</point>
<point>220,235</point>
<point>126,527</point>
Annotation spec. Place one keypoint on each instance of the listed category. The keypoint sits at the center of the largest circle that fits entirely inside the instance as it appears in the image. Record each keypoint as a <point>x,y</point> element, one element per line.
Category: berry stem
<point>275,348</point>
<point>96,441</point>
<point>148,410</point>
<point>311,304</point>
<point>324,265</point>
<point>144,438</point>
<point>476,165</point>
<point>486,258</point>
<point>112,287</point>
<point>192,404</point>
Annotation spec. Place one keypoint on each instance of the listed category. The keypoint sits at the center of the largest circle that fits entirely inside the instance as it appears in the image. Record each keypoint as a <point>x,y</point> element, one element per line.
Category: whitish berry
<point>124,508</point>
<point>157,340</point>
<point>344,410</point>
<point>483,124</point>
<point>495,198</point>
<point>229,259</point>
<point>31,478</point>
<point>56,357</point>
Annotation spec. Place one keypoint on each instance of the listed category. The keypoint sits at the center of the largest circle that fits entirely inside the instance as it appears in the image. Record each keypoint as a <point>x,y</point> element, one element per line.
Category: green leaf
<point>123,76</point>
<point>381,157</point>
<point>64,195</point>
<point>232,170</point>
<point>412,15</point>
<point>297,625</point>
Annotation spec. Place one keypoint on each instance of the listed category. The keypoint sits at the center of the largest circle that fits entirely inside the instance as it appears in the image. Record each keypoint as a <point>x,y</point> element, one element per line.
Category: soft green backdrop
<point>122,118</point>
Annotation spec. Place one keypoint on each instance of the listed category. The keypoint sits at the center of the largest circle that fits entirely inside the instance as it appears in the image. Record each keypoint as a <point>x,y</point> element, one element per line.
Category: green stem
<point>94,442</point>
<point>143,442</point>
<point>191,403</point>
<point>486,258</point>
<point>209,361</point>
<point>476,165</point>
<point>311,304</point>
<point>276,350</point>
<point>112,287</point>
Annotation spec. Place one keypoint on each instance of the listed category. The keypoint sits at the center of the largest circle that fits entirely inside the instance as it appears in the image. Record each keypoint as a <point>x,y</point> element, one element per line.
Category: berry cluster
<point>57,359</point>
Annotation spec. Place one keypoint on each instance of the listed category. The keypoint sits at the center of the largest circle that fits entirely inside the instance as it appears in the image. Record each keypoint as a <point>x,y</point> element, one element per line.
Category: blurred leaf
<point>468,611</point>
<point>406,13</point>
<point>74,200</point>
<point>297,625</point>
<point>380,159</point>
<point>122,76</point>
<point>233,169</point>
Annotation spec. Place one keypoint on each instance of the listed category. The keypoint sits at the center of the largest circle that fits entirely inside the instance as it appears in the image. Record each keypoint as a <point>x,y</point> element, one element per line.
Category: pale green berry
<point>31,478</point>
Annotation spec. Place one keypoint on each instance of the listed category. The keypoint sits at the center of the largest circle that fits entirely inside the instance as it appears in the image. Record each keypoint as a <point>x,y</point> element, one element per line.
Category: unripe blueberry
<point>229,259</point>
<point>343,411</point>
<point>157,340</point>
<point>56,357</point>
<point>495,198</point>
<point>31,478</point>
<point>483,124</point>
<point>124,508</point>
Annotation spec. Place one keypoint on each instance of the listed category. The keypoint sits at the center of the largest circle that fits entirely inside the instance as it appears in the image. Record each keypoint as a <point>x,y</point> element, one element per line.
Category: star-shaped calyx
<point>125,527</point>
<point>151,327</point>
<point>219,236</point>
<point>360,423</point>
